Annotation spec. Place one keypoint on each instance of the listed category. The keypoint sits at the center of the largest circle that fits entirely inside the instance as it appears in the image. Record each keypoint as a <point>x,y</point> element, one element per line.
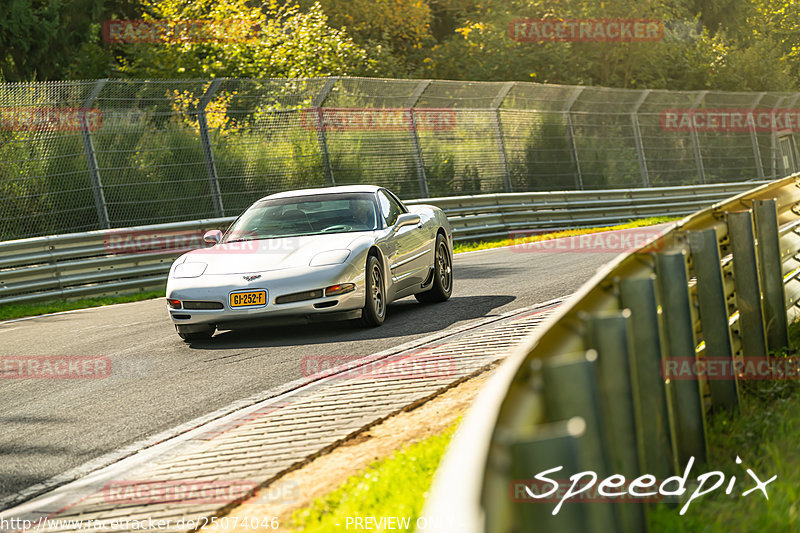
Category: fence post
<point>322,137</point>
<point>639,296</point>
<point>769,255</point>
<point>746,279</point>
<point>208,153</point>
<point>698,156</point>
<point>684,396</point>
<point>91,157</point>
<point>609,334</point>
<point>554,444</point>
<point>754,139</point>
<point>573,147</point>
<point>637,137</point>
<point>498,126</point>
<point>714,318</point>
<point>570,389</point>
<point>419,162</point>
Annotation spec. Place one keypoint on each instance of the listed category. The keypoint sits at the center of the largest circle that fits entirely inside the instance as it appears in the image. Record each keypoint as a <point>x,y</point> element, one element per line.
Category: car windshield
<point>305,215</point>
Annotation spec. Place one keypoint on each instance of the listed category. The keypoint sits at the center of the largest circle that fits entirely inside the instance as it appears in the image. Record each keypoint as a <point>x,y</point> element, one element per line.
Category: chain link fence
<point>82,155</point>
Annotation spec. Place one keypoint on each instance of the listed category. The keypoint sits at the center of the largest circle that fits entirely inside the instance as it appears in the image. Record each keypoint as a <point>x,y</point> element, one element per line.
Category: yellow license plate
<point>247,299</point>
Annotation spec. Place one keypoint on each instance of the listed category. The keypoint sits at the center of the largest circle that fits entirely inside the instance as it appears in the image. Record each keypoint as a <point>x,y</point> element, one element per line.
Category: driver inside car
<point>363,214</point>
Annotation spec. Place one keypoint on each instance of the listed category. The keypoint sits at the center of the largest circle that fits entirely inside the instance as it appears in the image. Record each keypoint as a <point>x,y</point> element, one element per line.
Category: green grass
<point>395,486</point>
<point>471,246</point>
<point>11,311</point>
<point>765,434</point>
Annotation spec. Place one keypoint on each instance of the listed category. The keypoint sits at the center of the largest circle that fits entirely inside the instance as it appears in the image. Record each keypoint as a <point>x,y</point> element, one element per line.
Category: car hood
<point>269,254</point>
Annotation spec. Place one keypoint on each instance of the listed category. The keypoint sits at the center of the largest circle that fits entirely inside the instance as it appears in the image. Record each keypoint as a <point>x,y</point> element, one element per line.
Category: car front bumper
<point>218,288</point>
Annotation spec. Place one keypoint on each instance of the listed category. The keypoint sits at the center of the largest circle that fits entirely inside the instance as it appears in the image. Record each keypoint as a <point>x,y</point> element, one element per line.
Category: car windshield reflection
<point>300,216</point>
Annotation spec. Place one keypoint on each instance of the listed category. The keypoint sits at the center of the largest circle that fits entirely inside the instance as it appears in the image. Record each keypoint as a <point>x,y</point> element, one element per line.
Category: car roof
<point>325,190</point>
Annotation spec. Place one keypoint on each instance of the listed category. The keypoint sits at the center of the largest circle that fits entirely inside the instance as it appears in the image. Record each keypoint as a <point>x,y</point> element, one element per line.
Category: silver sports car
<point>333,253</point>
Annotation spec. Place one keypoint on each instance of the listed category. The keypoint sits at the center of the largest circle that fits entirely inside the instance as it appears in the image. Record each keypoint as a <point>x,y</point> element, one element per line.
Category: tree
<point>283,42</point>
<point>56,39</point>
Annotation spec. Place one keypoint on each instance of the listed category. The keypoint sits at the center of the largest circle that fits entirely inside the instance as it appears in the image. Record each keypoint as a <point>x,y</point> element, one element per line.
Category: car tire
<point>374,311</point>
<point>442,286</point>
<point>195,334</point>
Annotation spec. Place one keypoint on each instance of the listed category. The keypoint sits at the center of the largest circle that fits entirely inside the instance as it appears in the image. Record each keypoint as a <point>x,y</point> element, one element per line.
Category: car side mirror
<point>212,237</point>
<point>406,219</point>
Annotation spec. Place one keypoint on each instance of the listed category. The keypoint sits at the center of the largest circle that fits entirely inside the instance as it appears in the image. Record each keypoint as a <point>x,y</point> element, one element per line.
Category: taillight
<point>174,304</point>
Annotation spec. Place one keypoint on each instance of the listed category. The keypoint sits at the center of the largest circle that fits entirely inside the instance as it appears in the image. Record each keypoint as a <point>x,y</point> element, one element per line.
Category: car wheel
<point>442,276</point>
<point>194,334</point>
<point>374,311</point>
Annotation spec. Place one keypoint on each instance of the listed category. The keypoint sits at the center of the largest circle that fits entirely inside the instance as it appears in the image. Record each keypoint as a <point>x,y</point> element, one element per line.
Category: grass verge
<point>764,434</point>
<point>395,486</point>
<point>471,246</point>
<point>11,311</point>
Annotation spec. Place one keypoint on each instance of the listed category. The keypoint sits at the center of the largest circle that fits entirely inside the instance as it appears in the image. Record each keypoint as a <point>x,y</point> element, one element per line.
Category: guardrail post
<point>419,162</point>
<point>637,138</point>
<point>91,157</point>
<point>698,155</point>
<point>571,133</point>
<point>684,397</point>
<point>554,445</point>
<point>609,335</point>
<point>570,389</point>
<point>655,451</point>
<point>498,126</point>
<point>208,152</point>
<point>714,318</point>
<point>769,255</point>
<point>322,136</point>
<point>746,279</point>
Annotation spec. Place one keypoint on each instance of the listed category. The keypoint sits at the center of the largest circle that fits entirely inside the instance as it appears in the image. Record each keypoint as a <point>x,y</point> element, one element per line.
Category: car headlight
<point>189,270</point>
<point>331,257</point>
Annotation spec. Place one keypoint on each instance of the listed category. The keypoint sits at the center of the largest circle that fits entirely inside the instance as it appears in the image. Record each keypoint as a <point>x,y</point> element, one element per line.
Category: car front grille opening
<point>323,305</point>
<point>299,296</point>
<point>181,317</point>
<point>202,305</point>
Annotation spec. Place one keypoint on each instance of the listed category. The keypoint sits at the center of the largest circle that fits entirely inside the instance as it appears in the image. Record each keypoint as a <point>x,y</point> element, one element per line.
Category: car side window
<point>390,208</point>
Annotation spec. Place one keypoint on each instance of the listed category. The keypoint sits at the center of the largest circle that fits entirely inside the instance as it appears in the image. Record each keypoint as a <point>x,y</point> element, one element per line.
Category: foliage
<point>286,43</point>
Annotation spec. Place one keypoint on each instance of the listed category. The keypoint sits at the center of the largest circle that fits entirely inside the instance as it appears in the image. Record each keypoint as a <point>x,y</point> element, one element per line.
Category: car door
<point>411,258</point>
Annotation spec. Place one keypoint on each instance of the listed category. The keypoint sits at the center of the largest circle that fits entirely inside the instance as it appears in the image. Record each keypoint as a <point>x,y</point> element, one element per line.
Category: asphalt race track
<point>49,426</point>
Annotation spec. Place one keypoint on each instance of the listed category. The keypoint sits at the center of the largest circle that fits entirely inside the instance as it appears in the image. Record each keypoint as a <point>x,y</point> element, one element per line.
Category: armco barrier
<point>138,259</point>
<point>590,390</point>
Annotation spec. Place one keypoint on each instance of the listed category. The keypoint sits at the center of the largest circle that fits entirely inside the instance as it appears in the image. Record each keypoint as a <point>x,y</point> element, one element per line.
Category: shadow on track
<point>404,317</point>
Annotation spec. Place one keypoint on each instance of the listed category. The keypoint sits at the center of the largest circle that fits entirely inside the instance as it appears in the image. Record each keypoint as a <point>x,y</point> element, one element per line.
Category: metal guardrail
<point>138,259</point>
<point>589,390</point>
